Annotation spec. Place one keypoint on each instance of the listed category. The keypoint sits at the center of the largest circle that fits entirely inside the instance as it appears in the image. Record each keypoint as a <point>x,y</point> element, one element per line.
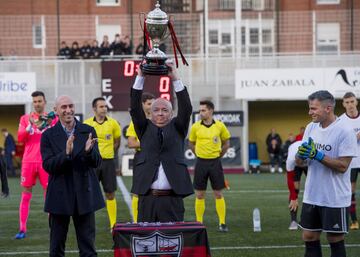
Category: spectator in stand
<point>75,51</point>
<point>10,147</point>
<point>285,146</point>
<point>75,69</point>
<point>128,46</point>
<point>86,50</point>
<point>3,175</point>
<point>273,143</point>
<point>105,47</point>
<point>65,51</point>
<point>95,50</point>
<point>117,47</point>
<point>64,68</point>
<point>140,48</point>
<point>300,135</point>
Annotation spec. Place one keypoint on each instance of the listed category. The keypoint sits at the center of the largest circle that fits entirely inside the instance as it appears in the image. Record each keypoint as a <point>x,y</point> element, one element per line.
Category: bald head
<point>161,112</point>
<point>65,109</point>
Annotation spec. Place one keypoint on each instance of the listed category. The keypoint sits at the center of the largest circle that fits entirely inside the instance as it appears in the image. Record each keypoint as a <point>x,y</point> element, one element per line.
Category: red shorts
<point>29,172</point>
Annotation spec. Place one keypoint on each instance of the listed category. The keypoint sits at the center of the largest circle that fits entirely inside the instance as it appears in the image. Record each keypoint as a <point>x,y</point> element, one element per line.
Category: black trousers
<point>4,181</point>
<point>85,234</point>
<point>168,208</point>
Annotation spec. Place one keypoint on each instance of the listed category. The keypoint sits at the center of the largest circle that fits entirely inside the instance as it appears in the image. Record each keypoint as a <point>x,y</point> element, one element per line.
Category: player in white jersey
<point>294,173</point>
<point>329,146</point>
<point>352,116</point>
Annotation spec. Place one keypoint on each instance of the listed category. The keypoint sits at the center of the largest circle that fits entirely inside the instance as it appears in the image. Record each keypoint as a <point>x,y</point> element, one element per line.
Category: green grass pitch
<point>268,192</point>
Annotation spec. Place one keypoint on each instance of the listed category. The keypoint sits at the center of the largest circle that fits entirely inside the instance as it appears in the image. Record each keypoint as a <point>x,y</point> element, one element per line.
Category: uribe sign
<point>16,87</point>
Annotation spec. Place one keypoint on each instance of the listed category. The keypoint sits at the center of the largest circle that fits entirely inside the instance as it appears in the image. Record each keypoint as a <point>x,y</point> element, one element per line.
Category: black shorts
<point>208,168</point>
<point>354,174</point>
<point>318,218</point>
<point>106,174</point>
<point>298,172</point>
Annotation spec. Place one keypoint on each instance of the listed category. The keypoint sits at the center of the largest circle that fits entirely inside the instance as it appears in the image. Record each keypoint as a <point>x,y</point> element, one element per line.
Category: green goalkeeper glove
<point>308,150</point>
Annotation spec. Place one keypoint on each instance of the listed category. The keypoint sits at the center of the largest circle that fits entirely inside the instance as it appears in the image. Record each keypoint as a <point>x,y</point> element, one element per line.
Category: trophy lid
<point>157,16</point>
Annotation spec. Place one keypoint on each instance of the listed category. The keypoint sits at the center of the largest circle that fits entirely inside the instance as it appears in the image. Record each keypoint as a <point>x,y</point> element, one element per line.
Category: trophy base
<point>155,63</point>
<point>154,69</point>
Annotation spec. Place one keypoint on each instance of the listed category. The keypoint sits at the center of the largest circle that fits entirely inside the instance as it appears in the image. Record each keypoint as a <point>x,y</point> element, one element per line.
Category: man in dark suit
<point>3,176</point>
<point>161,179</point>
<point>10,147</point>
<point>70,155</point>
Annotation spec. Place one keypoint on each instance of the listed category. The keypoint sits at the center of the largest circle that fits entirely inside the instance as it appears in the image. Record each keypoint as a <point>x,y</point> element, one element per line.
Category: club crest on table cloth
<point>157,243</point>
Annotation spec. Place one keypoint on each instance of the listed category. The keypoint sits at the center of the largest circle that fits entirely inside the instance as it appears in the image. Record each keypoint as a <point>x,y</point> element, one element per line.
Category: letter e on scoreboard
<point>106,85</point>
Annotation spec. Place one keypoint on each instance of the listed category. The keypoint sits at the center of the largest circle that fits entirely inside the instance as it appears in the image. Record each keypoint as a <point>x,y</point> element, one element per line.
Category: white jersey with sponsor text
<point>355,124</point>
<point>290,161</point>
<point>324,186</point>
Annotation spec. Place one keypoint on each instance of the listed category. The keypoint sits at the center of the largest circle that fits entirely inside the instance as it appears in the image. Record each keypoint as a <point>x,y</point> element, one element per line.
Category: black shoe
<point>3,195</point>
<point>223,228</point>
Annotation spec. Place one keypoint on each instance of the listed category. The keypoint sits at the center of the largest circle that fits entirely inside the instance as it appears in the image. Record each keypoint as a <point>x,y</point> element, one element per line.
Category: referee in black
<point>209,140</point>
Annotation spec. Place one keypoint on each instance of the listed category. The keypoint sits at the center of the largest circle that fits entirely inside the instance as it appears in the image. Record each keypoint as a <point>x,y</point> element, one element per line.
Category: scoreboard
<point>117,79</point>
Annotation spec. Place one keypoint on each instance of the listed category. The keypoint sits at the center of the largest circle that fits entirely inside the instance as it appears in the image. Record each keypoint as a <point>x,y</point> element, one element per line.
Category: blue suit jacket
<point>73,186</point>
<point>9,144</point>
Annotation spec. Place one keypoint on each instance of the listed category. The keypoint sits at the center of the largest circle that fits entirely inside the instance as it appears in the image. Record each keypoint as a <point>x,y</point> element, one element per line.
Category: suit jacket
<point>170,153</point>
<point>73,186</point>
<point>9,144</point>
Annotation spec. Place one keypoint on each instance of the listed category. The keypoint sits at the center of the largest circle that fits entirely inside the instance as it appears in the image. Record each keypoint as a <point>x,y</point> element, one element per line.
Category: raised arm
<point>24,129</point>
<point>184,104</point>
<point>137,114</point>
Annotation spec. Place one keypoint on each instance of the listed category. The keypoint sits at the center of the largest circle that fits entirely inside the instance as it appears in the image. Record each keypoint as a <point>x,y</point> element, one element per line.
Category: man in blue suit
<point>70,155</point>
<point>10,147</point>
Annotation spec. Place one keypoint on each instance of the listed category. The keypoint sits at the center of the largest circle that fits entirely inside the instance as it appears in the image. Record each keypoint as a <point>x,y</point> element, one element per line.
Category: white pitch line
<point>125,193</point>
<point>208,191</point>
<point>254,191</point>
<point>211,248</point>
<point>272,247</point>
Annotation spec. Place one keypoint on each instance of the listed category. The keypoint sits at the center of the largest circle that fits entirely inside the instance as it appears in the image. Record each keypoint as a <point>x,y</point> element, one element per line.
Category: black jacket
<point>9,144</point>
<point>73,185</point>
<point>170,153</point>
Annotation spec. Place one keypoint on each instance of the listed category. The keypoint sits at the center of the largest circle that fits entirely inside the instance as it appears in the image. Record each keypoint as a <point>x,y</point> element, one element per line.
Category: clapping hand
<point>308,151</point>
<point>70,144</point>
<point>90,143</point>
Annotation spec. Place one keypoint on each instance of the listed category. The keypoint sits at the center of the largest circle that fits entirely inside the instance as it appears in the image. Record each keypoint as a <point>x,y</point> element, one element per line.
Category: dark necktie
<point>160,136</point>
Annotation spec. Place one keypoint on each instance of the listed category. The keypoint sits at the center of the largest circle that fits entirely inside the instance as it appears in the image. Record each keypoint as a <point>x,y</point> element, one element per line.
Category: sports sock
<point>338,249</point>
<point>221,209</point>
<point>353,208</point>
<point>313,249</point>
<point>134,207</point>
<point>199,209</point>
<point>24,209</point>
<point>111,209</point>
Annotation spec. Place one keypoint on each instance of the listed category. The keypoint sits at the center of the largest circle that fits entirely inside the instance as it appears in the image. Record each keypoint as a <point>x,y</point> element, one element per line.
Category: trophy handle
<point>142,19</point>
<point>168,33</point>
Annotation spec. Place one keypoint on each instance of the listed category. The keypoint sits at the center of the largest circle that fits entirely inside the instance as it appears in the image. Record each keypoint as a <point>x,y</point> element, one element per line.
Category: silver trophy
<point>157,27</point>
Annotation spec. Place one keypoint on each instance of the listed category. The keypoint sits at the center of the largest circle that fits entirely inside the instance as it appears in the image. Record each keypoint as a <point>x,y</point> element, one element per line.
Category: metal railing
<point>216,33</point>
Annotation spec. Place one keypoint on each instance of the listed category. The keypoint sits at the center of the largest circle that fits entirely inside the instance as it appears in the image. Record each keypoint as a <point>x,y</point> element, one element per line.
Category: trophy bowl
<point>155,28</point>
